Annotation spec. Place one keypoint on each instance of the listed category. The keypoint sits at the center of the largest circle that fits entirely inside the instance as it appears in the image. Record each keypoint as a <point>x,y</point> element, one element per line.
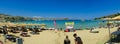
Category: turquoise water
<point>77,23</point>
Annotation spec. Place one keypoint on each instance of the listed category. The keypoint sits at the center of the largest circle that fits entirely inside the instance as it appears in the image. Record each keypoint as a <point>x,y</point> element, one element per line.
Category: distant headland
<point>6,17</point>
<point>113,16</point>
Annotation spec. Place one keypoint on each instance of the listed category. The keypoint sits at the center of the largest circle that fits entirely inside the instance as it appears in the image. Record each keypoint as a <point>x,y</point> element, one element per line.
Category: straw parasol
<point>43,25</point>
<point>22,24</point>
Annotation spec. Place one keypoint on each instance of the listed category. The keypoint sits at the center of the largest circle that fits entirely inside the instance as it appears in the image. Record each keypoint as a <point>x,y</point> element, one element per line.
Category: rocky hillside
<point>109,16</point>
<point>5,18</point>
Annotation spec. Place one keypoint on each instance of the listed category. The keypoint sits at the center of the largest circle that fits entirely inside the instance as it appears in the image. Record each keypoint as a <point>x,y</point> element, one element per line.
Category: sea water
<point>78,24</point>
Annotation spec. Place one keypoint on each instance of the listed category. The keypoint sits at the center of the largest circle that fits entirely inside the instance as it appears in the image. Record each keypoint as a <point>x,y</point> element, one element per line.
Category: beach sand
<point>50,37</point>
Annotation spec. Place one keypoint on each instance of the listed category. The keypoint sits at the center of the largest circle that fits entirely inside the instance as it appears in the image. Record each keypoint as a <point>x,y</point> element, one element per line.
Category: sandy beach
<point>50,37</point>
<point>56,21</point>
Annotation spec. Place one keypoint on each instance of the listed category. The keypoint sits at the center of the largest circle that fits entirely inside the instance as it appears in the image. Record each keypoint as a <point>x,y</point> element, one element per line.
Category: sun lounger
<point>94,31</point>
<point>37,29</point>
<point>30,29</point>
<point>43,29</point>
<point>11,38</point>
<point>34,33</point>
<point>25,30</point>
<point>14,31</point>
<point>24,34</point>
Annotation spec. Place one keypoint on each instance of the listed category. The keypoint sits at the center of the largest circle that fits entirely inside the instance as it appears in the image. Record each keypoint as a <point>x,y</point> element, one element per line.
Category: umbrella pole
<point>110,42</point>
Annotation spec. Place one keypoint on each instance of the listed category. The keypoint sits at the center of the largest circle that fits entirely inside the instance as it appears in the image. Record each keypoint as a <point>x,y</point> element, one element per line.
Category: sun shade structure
<point>69,23</point>
<point>69,26</point>
<point>116,33</point>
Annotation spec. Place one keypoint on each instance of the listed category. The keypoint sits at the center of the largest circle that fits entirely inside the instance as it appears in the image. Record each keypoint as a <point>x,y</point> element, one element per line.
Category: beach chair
<point>36,29</point>
<point>25,30</point>
<point>30,29</point>
<point>44,29</point>
<point>93,31</point>
<point>24,34</point>
<point>14,30</point>
<point>11,37</point>
<point>34,32</point>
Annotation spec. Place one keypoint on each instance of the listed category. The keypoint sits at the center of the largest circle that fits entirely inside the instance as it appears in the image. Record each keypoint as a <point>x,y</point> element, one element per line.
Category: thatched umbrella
<point>42,24</point>
<point>22,24</point>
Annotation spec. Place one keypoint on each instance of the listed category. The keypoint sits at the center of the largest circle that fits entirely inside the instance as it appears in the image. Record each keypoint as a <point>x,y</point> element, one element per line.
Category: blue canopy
<point>116,33</point>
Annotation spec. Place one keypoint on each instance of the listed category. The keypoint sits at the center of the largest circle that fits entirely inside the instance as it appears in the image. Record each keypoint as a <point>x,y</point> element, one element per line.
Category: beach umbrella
<point>108,25</point>
<point>43,25</point>
<point>22,24</point>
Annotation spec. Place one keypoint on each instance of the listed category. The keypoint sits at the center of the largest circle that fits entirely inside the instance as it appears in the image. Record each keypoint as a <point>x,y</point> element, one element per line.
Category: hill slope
<point>109,16</point>
<point>5,18</point>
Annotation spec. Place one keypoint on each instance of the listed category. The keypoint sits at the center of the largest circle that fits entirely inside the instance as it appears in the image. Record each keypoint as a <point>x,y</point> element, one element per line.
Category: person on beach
<point>118,29</point>
<point>66,41</point>
<point>77,39</point>
<point>5,32</point>
<point>1,42</point>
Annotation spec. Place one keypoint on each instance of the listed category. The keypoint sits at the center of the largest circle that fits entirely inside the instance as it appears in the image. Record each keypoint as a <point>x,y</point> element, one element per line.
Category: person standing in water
<point>66,41</point>
<point>77,39</point>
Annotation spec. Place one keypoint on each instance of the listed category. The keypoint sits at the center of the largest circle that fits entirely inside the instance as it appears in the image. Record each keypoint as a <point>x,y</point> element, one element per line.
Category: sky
<point>81,9</point>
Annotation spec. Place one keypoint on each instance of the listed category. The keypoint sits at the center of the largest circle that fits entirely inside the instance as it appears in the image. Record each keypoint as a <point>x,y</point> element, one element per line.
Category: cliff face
<point>107,17</point>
